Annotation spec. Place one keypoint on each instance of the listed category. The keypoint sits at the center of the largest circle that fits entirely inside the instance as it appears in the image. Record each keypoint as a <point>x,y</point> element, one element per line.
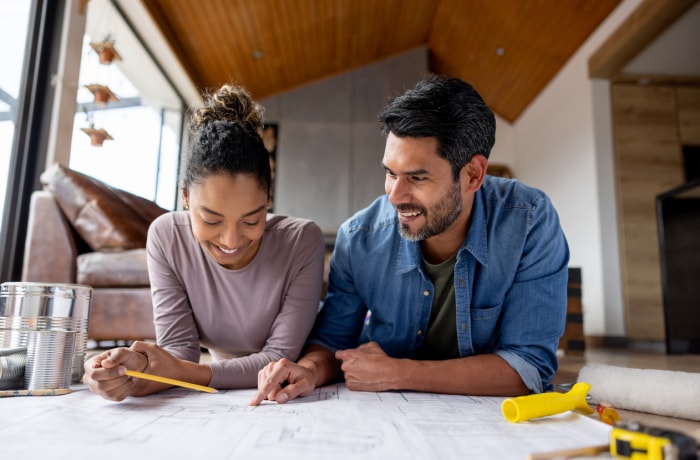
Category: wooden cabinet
<point>650,124</point>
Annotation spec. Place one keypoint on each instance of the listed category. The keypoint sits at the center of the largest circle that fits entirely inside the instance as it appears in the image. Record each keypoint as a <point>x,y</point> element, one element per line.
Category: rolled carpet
<point>669,393</point>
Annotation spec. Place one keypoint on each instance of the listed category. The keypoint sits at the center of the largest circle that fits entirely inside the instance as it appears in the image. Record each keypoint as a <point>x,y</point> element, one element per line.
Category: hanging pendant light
<point>106,51</point>
<point>97,136</point>
<point>103,95</point>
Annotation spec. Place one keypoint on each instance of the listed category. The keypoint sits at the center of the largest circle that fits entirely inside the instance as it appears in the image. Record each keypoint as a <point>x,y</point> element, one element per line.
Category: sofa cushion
<point>107,218</point>
<point>113,269</point>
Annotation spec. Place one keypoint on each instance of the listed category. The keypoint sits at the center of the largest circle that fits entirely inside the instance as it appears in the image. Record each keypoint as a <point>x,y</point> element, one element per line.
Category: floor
<point>569,367</point>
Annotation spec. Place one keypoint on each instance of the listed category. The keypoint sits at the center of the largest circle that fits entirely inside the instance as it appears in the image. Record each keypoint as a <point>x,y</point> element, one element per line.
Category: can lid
<point>26,289</point>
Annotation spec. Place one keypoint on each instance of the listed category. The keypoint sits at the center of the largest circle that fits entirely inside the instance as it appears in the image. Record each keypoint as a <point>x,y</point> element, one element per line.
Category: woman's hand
<point>163,364</point>
<point>105,373</point>
<point>283,381</point>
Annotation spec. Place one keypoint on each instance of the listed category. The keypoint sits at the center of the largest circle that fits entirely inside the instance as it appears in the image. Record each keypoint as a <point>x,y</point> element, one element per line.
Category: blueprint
<point>332,423</point>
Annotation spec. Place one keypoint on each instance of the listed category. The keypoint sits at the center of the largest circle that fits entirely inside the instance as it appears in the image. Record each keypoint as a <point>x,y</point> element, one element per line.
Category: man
<point>453,282</point>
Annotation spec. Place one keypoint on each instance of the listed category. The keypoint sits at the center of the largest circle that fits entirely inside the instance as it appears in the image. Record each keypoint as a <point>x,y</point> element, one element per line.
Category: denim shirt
<point>510,282</point>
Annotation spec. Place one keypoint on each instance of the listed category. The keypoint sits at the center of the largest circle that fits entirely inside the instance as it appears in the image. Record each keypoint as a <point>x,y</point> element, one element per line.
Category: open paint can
<point>27,308</point>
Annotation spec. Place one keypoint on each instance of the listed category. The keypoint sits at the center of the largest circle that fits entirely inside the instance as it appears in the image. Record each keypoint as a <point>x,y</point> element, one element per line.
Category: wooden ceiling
<point>507,49</point>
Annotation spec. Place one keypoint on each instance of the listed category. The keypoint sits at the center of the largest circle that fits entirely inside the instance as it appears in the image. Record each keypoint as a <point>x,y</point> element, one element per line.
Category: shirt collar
<point>477,235</point>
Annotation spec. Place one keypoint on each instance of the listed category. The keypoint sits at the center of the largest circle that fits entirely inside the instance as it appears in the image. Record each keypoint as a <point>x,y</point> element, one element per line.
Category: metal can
<point>28,306</point>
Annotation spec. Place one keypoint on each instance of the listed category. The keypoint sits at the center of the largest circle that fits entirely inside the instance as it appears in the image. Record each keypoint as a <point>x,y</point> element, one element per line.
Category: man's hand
<point>282,381</point>
<point>368,368</point>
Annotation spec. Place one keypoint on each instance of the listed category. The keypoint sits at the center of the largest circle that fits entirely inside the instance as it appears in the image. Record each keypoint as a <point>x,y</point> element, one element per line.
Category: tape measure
<point>638,442</point>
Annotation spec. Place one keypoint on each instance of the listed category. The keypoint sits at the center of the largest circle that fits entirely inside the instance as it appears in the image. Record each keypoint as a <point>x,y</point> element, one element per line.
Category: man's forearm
<point>322,363</point>
<point>483,375</point>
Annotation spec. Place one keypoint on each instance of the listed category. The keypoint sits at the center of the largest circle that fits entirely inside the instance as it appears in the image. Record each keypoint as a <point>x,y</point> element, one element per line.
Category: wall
<point>329,146</point>
<point>566,149</point>
<point>575,140</point>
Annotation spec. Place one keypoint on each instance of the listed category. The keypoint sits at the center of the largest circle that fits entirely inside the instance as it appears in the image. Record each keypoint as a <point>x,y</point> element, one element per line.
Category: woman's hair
<point>448,109</point>
<point>226,138</point>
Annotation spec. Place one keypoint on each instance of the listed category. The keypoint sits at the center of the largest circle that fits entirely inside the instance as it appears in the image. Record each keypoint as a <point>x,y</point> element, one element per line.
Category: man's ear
<point>473,173</point>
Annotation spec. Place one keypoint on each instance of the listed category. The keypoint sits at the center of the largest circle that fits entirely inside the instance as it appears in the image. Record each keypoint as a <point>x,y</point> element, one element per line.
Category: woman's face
<point>228,215</point>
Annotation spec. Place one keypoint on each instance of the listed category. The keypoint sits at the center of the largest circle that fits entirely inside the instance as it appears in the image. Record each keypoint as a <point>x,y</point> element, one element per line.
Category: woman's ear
<point>473,173</point>
<point>185,198</point>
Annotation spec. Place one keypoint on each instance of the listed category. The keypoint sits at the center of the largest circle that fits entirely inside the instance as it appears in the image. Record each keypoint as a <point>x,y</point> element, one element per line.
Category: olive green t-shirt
<point>441,335</point>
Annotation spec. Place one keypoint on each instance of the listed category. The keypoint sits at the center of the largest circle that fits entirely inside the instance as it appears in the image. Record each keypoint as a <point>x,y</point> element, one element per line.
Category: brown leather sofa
<point>83,231</point>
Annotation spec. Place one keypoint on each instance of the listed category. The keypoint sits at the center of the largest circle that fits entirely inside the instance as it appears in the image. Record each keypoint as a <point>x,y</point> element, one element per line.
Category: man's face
<point>421,187</point>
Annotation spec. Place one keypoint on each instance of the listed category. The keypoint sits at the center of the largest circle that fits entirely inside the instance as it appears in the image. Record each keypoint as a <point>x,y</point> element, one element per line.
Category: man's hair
<point>448,109</point>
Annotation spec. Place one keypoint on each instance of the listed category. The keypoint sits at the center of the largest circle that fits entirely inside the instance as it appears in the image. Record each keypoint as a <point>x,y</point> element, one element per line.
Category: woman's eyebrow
<point>247,214</point>
<point>255,211</point>
<point>210,211</point>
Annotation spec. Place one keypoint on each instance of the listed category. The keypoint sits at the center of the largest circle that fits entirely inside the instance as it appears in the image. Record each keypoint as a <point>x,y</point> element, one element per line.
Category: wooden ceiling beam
<point>641,28</point>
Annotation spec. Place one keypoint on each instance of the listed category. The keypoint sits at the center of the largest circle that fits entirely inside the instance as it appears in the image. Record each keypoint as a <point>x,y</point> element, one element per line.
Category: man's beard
<point>437,219</point>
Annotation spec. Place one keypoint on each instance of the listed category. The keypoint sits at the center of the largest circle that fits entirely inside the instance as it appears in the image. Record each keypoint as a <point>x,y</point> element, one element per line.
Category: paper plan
<point>332,423</point>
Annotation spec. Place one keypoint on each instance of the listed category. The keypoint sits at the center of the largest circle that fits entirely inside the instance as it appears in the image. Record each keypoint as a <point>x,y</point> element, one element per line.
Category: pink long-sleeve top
<point>246,317</point>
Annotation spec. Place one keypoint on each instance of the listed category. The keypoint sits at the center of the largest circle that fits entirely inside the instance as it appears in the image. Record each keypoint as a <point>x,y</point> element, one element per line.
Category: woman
<point>225,274</point>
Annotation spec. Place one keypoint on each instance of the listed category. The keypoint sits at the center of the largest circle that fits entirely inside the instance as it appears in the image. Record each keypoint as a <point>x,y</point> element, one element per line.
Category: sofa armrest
<point>50,251</point>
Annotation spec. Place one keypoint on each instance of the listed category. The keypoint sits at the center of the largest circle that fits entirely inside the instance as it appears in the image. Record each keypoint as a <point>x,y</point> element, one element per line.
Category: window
<point>14,20</point>
<point>144,118</point>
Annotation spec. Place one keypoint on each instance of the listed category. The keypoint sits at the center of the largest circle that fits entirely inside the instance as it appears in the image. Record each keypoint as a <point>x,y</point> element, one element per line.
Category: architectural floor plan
<point>332,423</point>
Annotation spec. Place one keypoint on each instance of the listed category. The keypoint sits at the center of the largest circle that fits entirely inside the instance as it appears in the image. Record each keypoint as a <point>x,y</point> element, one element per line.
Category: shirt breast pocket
<point>485,323</point>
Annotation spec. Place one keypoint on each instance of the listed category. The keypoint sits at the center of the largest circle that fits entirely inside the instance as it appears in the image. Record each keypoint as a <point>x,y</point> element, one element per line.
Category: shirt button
<point>420,332</point>
<point>426,293</point>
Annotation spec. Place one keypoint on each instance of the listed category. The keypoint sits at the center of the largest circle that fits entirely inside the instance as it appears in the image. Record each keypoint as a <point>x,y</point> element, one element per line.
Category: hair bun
<point>230,103</point>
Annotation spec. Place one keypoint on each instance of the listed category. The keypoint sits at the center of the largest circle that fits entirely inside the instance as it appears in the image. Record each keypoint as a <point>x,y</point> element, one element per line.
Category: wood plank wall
<point>650,125</point>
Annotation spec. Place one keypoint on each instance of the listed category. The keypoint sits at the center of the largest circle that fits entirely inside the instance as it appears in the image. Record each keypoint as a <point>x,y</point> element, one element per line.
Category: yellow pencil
<point>180,383</point>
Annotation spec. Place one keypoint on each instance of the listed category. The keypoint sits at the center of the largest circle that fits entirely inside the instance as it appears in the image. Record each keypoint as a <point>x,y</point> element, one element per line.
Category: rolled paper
<point>543,404</point>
